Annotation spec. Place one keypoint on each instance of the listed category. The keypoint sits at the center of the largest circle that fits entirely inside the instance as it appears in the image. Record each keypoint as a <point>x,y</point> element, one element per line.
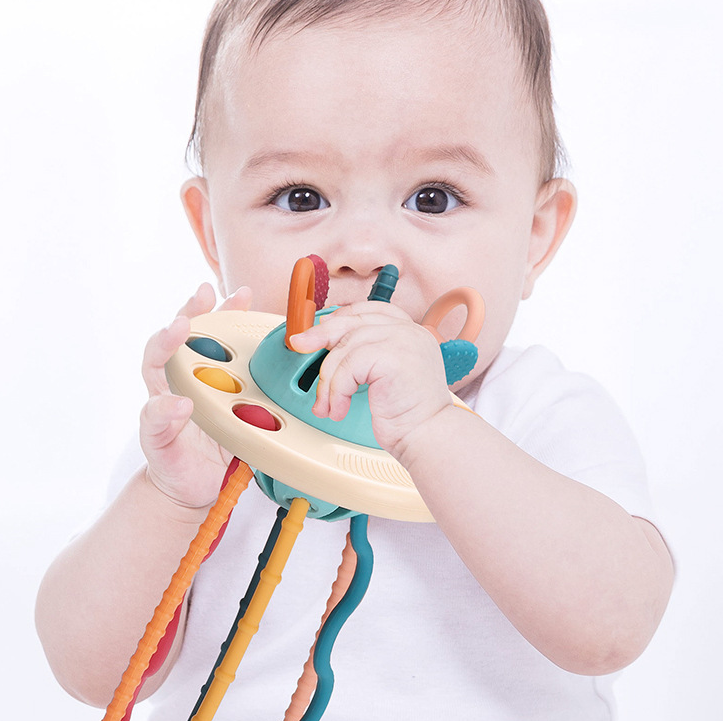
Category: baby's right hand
<point>183,462</point>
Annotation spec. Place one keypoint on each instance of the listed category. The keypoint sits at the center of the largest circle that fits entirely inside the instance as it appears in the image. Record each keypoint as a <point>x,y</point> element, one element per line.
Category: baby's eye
<point>431,200</point>
<point>300,200</point>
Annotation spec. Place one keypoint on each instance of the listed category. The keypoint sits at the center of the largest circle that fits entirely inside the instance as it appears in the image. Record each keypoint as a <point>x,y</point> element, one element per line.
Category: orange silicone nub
<point>445,303</point>
<point>307,683</point>
<point>301,308</point>
<point>248,625</point>
<point>173,595</point>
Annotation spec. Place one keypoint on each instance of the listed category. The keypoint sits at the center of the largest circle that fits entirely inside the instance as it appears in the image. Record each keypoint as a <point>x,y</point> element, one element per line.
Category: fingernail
<point>199,289</point>
<point>183,404</point>
<point>173,323</point>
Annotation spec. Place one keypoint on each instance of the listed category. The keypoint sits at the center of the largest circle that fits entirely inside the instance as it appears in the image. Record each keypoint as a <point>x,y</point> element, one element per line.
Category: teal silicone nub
<point>385,284</point>
<point>290,379</point>
<point>284,495</point>
<point>460,357</point>
<point>208,348</point>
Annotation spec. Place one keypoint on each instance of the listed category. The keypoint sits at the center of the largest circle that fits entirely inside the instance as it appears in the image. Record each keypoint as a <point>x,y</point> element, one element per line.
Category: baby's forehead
<point>479,35</point>
<point>470,30</point>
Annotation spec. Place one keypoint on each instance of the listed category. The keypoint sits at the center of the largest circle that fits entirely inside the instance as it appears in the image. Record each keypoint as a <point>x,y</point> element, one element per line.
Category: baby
<point>418,133</point>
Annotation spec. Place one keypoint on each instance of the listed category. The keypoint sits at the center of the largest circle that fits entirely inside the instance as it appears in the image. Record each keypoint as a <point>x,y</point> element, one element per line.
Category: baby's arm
<point>99,594</point>
<point>581,579</point>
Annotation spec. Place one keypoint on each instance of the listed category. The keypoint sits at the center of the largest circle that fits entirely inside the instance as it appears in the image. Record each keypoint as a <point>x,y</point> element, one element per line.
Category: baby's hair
<point>257,20</point>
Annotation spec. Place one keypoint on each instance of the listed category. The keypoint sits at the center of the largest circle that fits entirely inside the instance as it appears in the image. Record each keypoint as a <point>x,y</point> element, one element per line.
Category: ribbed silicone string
<point>198,550</point>
<point>307,682</point>
<point>244,603</point>
<point>330,630</point>
<point>268,581</point>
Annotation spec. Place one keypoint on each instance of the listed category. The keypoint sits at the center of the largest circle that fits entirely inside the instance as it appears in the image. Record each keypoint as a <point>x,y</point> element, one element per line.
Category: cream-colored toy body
<point>345,474</point>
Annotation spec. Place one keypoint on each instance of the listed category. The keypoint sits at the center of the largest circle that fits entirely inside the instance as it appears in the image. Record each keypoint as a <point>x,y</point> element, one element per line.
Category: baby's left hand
<point>378,344</point>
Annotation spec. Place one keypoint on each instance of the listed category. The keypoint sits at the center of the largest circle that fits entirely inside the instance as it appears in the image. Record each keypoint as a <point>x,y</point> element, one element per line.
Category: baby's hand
<point>378,344</point>
<point>183,462</point>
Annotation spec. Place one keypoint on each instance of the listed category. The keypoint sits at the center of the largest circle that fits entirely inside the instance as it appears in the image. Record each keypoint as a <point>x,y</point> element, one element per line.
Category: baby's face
<point>406,144</point>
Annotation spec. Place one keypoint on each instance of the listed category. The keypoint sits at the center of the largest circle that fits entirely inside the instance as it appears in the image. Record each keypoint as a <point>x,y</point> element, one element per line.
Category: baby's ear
<point>195,199</point>
<point>554,212</point>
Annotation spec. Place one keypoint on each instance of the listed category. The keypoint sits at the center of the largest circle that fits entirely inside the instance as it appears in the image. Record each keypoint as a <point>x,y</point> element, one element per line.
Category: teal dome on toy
<point>290,379</point>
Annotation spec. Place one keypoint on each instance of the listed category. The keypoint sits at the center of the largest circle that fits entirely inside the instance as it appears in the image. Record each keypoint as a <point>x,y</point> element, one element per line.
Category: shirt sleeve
<point>568,422</point>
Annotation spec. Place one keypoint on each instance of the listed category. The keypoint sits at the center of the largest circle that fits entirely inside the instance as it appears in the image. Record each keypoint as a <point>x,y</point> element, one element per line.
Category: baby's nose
<point>361,251</point>
<point>363,270</point>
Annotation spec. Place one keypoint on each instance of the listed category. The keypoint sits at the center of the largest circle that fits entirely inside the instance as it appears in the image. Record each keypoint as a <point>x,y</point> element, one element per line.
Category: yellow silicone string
<point>249,623</point>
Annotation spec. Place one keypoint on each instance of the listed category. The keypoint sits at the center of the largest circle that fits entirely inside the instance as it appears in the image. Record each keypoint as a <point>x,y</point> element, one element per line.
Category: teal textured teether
<point>460,357</point>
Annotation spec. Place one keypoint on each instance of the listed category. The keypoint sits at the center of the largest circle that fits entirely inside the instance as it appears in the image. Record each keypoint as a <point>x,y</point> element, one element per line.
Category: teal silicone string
<point>330,630</point>
<point>244,603</point>
<point>385,284</point>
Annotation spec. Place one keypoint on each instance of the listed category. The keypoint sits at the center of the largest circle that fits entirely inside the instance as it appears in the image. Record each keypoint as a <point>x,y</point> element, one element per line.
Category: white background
<point>96,102</point>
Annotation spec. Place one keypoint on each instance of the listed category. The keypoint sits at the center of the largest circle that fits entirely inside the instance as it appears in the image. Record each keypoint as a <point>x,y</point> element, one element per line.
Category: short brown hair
<point>525,20</point>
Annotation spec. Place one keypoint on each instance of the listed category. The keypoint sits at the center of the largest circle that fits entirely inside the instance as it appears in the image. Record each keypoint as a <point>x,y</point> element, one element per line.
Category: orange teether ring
<point>447,302</point>
<point>301,308</point>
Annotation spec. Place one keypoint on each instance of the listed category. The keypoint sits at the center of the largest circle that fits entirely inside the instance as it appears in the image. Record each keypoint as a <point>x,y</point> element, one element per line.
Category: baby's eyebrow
<point>463,154</point>
<point>278,157</point>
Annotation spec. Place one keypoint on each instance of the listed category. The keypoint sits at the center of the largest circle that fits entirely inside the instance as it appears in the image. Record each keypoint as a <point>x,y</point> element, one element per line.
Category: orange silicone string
<point>173,595</point>
<point>307,682</point>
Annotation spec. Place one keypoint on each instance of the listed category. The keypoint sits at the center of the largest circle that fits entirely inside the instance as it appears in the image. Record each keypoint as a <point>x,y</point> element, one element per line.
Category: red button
<point>257,416</point>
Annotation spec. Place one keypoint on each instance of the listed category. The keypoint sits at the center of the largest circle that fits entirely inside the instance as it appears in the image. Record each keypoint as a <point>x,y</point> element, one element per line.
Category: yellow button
<point>219,379</point>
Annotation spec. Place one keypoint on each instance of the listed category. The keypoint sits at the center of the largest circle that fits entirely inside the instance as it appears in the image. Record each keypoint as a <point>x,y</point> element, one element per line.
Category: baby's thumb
<point>239,300</point>
<point>162,420</point>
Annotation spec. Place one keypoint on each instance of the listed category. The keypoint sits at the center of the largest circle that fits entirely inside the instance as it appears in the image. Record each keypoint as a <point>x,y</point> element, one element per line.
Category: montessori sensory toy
<point>253,394</point>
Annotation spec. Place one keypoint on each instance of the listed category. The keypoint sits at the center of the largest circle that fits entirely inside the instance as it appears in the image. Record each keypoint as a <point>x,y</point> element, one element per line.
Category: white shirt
<point>426,643</point>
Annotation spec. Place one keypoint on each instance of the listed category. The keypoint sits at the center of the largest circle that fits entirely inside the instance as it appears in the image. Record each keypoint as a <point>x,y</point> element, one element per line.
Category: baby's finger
<point>366,308</point>
<point>346,367</point>
<point>158,352</point>
<point>333,328</point>
<point>240,300</point>
<point>162,420</point>
<point>202,301</point>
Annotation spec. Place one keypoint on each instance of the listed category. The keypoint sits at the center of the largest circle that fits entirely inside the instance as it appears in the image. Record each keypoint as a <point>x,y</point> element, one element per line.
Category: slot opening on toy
<point>311,372</point>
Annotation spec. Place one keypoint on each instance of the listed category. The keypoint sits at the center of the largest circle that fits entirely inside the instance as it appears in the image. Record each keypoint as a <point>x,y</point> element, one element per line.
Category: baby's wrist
<point>422,438</point>
<point>168,503</point>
